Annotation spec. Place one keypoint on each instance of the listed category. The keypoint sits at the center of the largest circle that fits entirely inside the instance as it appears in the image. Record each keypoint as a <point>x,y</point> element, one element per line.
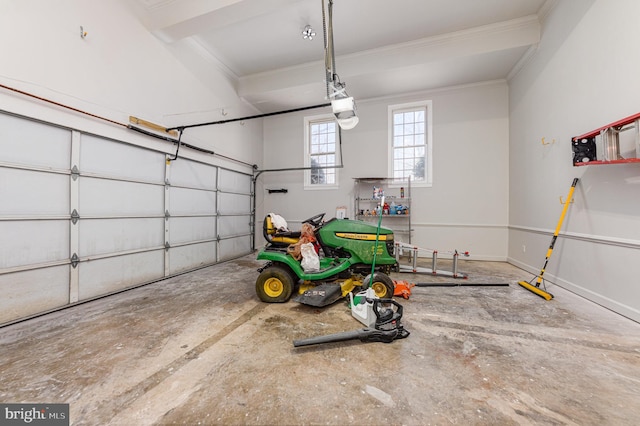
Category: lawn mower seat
<point>278,237</point>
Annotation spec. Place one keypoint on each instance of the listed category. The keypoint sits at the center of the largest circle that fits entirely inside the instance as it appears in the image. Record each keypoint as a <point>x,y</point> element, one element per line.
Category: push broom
<point>539,280</point>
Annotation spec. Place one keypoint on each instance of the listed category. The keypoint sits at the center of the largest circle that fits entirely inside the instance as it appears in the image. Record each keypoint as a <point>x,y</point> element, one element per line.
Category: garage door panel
<point>101,197</point>
<point>191,201</point>
<point>100,236</point>
<point>103,276</point>
<point>33,242</point>
<point>234,204</point>
<point>114,159</point>
<point>28,142</point>
<point>192,256</point>
<point>23,293</point>
<point>192,174</point>
<point>230,181</point>
<point>186,229</point>
<point>234,247</point>
<point>120,194</point>
<point>25,192</point>
<point>233,225</point>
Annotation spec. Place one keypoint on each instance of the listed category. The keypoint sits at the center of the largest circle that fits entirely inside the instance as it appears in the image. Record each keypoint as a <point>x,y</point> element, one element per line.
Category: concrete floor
<point>202,349</point>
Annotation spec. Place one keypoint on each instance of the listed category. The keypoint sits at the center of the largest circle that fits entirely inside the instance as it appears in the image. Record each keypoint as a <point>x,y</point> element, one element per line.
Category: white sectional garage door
<point>83,216</point>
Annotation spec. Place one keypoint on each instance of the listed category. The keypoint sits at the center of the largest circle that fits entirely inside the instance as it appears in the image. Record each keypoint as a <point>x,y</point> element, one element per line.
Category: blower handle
<point>386,318</point>
<point>375,246</point>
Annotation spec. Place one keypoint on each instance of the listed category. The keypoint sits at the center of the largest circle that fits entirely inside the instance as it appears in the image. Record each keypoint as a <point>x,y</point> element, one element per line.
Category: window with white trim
<point>321,152</point>
<point>410,144</point>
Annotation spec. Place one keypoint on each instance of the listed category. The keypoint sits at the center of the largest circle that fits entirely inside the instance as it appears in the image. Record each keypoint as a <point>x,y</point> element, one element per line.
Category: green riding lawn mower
<point>353,255</point>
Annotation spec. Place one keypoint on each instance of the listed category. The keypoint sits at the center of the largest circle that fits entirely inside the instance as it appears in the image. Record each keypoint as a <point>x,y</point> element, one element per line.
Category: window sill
<point>320,187</point>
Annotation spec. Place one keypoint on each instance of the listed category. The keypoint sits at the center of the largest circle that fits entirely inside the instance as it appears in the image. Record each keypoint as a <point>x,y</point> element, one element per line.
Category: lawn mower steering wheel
<point>315,221</point>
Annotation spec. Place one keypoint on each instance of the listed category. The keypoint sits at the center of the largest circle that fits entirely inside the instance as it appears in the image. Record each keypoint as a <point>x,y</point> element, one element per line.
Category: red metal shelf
<point>593,163</point>
<point>607,139</point>
<point>619,123</point>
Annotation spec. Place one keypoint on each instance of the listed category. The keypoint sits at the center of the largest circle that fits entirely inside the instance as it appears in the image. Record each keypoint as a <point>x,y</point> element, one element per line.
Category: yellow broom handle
<point>566,206</point>
<point>562,215</point>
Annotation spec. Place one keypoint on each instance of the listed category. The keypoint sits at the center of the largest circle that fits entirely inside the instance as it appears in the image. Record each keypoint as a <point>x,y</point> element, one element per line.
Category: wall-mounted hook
<point>83,33</point>
<point>223,112</point>
<point>548,143</point>
<point>563,202</point>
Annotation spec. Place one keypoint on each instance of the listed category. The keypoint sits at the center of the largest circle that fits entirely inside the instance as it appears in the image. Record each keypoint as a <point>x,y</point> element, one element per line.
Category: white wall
<point>118,70</point>
<point>583,75</point>
<point>465,209</point>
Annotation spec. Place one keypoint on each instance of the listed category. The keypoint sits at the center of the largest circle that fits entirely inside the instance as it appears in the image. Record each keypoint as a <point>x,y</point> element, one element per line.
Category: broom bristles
<point>536,290</point>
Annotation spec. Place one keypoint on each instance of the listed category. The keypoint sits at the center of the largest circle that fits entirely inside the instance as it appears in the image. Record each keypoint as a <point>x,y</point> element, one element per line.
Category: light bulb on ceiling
<point>308,33</point>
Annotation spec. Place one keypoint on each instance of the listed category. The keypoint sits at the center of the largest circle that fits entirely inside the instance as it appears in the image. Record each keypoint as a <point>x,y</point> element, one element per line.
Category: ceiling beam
<point>480,40</point>
<point>175,20</point>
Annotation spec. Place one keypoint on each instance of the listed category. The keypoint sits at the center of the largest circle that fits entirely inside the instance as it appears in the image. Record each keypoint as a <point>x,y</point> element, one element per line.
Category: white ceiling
<point>383,47</point>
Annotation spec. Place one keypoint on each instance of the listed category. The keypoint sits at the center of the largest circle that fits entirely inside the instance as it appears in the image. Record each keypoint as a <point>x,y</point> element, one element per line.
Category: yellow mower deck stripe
<point>365,237</point>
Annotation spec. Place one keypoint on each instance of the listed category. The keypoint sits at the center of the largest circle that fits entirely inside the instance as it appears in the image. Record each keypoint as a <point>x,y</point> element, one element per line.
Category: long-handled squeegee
<point>528,285</point>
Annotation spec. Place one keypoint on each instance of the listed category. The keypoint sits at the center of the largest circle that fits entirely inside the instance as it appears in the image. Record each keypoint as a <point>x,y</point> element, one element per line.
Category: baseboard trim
<point>605,302</point>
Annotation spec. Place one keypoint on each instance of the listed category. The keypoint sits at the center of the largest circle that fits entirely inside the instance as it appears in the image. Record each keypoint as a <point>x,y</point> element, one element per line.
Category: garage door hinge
<point>167,183</point>
<point>166,215</point>
<point>75,260</point>
<point>167,246</point>
<point>75,173</point>
<point>74,216</point>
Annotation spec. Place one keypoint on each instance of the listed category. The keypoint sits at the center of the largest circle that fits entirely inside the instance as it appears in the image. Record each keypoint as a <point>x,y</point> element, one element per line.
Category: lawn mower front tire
<point>381,284</point>
<point>275,284</point>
